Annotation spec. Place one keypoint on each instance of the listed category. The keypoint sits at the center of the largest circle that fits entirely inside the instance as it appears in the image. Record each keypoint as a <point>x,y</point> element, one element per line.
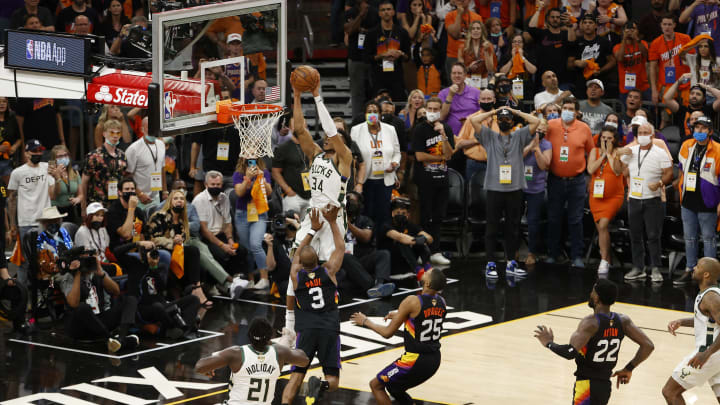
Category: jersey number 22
<point>602,350</point>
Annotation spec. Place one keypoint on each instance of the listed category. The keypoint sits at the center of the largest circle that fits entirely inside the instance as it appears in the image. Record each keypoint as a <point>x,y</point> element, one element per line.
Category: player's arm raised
<point>710,306</point>
<point>308,146</point>
<point>315,226</point>
<point>336,257</point>
<point>344,154</point>
<point>407,307</point>
<point>643,352</point>
<point>232,357</point>
<point>296,357</point>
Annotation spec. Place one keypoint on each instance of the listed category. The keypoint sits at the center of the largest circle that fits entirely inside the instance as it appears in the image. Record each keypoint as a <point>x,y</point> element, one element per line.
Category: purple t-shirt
<point>706,19</point>
<point>243,201</point>
<point>537,183</point>
<point>463,105</point>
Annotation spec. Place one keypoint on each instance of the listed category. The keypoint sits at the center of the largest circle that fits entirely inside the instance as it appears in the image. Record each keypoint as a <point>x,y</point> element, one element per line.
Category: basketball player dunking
<point>318,317</point>
<point>703,364</point>
<point>327,181</point>
<point>423,316</point>
<point>595,346</point>
<point>255,367</point>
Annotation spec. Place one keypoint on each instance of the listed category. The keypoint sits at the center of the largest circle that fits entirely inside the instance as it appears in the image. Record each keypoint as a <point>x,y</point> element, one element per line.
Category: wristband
<point>311,232</point>
<point>629,366</point>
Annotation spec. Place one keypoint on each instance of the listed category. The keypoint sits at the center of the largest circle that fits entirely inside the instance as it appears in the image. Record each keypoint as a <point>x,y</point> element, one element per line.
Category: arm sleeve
<point>325,119</point>
<point>565,351</point>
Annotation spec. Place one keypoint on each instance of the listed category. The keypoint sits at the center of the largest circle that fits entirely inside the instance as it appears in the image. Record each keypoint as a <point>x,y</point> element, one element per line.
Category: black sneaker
<point>131,342</point>
<point>685,278</point>
<point>313,390</point>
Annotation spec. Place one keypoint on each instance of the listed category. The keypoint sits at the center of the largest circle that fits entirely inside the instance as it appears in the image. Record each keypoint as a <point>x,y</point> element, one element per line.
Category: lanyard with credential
<point>154,155</point>
<point>642,160</point>
<point>375,138</point>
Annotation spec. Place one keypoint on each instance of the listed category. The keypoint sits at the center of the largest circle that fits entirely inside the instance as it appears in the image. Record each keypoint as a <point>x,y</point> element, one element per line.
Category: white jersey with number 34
<point>327,185</point>
<point>254,383</point>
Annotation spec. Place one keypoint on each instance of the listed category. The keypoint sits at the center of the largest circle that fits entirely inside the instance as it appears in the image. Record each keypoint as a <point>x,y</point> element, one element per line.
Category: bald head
<point>487,96</point>
<point>711,266</point>
<point>308,258</point>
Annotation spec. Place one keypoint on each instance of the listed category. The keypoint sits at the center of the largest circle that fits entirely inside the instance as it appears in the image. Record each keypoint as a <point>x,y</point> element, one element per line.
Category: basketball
<point>304,78</point>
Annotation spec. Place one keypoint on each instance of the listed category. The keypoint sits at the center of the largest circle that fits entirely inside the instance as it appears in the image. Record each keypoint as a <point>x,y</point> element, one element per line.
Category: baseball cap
<point>93,208</point>
<point>33,145</point>
<point>595,81</point>
<point>705,121</point>
<point>588,16</point>
<point>638,120</point>
<point>234,37</point>
<point>504,113</point>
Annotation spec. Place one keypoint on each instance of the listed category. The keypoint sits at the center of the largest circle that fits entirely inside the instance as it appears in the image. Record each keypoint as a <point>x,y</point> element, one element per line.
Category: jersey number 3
<point>256,388</point>
<point>431,325</point>
<point>602,350</point>
<point>317,298</point>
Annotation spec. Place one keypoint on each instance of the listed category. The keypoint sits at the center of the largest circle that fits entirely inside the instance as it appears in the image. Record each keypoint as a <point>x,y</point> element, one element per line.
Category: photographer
<point>284,227</point>
<point>147,283</point>
<point>130,43</point>
<point>405,240</point>
<point>361,258</point>
<point>91,313</point>
<point>16,295</point>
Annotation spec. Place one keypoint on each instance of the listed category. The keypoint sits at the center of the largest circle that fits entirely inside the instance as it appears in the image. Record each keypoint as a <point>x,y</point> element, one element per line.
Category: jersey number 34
<point>607,350</point>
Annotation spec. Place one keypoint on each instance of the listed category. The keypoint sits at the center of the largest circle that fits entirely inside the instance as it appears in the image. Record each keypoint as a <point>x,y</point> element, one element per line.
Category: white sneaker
<point>604,267</point>
<point>237,287</point>
<point>656,276</point>
<point>438,258</point>
<point>251,285</point>
<point>288,338</point>
<point>263,284</point>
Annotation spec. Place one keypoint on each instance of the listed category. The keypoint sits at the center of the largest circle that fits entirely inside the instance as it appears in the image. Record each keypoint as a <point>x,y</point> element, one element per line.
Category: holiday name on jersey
<point>260,368</point>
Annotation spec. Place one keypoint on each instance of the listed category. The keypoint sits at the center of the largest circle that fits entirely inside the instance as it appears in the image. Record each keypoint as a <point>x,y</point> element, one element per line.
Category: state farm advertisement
<point>129,89</point>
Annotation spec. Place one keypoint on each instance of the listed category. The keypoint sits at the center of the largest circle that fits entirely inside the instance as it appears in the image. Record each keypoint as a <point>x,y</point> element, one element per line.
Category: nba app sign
<point>48,52</point>
<point>45,51</point>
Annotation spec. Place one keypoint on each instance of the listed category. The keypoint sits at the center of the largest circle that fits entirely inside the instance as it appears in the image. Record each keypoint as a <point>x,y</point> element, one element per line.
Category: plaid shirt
<point>103,167</point>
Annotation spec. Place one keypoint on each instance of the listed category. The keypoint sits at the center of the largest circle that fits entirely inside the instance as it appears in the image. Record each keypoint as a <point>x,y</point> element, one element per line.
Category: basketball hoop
<point>254,123</point>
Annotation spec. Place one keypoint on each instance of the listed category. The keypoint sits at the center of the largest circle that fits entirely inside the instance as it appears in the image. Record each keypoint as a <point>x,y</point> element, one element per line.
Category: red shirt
<point>667,53</point>
<point>632,62</point>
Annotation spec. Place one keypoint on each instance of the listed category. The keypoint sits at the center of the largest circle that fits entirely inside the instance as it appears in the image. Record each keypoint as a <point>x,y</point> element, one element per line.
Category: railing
<point>308,38</point>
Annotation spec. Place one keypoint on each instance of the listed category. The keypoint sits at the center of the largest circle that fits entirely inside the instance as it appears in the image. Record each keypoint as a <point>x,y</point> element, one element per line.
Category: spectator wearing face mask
<point>696,102</point>
<point>537,159</point>
<point>649,170</point>
<point>433,148</point>
<point>504,180</point>
<point>31,189</point>
<point>699,193</point>
<point>93,235</point>
<point>571,142</point>
<point>104,168</point>
<point>67,182</point>
<point>607,189</point>
<point>477,155</point>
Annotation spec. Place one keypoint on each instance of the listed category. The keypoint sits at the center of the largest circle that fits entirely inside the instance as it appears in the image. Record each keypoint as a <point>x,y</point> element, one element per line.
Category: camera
<point>154,254</point>
<point>141,38</point>
<point>86,257</point>
<point>175,314</point>
<point>278,226</point>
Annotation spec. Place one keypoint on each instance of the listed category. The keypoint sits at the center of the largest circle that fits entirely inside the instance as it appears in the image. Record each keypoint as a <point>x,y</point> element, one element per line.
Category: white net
<point>255,128</point>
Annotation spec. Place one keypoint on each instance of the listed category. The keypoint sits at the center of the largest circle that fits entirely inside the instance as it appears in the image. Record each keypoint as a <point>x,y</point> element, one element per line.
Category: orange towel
<point>591,68</point>
<point>518,66</point>
<point>258,195</point>
<point>177,261</point>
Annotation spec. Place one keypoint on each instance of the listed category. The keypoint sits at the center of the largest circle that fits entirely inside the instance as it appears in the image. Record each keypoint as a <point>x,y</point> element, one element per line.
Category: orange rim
<point>254,109</point>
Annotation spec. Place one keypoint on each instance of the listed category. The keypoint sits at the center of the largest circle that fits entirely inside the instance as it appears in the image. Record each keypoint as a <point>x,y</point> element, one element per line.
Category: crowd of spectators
<point>557,108</point>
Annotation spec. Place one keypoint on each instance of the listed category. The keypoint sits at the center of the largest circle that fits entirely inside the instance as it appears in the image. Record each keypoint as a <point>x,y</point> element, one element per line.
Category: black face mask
<point>387,118</point>
<point>214,191</point>
<point>400,220</point>
<point>178,210</point>
<point>504,88</point>
<point>353,208</point>
<point>541,135</point>
<point>35,159</point>
<point>96,225</point>
<point>126,195</point>
<point>52,228</point>
<point>505,125</point>
<point>487,106</point>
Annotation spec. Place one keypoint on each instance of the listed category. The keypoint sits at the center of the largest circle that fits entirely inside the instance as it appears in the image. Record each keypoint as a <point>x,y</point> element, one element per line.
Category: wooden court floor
<point>505,364</point>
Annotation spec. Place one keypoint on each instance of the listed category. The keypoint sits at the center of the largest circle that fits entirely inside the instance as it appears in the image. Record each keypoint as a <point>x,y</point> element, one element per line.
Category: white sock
<point>290,319</point>
<point>604,262</point>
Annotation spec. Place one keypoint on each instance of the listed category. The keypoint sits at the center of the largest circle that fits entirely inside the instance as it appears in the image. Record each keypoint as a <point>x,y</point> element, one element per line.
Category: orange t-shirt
<point>454,44</point>
<point>530,11</point>
<point>632,62</point>
<point>569,156</point>
<point>479,69</point>
<point>428,79</point>
<point>667,53</point>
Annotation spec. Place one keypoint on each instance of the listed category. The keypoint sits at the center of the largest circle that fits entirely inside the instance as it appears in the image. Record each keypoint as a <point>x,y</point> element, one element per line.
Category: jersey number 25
<point>431,325</point>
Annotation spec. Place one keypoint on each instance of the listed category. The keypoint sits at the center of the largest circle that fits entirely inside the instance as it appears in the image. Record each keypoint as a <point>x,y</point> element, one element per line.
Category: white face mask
<point>644,140</point>
<point>432,116</point>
